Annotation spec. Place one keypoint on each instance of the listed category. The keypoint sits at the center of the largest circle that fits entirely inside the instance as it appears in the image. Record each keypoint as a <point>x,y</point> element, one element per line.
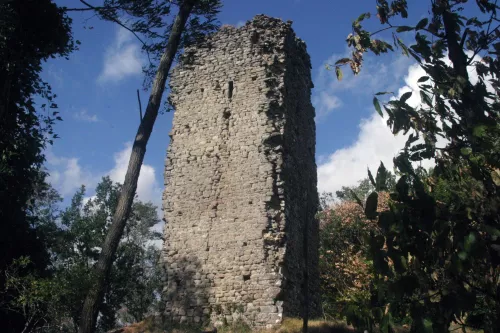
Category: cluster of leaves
<point>437,256</point>
<point>30,33</point>
<point>74,237</point>
<point>36,298</point>
<point>345,269</point>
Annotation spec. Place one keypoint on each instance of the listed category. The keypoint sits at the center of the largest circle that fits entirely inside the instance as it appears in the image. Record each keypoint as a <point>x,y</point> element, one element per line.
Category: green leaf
<point>362,17</point>
<point>425,98</point>
<point>338,72</point>
<point>405,96</point>
<point>466,151</point>
<point>343,61</point>
<point>470,240</point>
<point>381,180</point>
<point>494,232</point>
<point>370,176</point>
<point>371,205</point>
<point>386,323</point>
<point>355,196</point>
<point>479,131</point>
<point>404,28</point>
<point>423,79</point>
<point>427,326</point>
<point>422,24</point>
<point>377,106</point>
<point>403,47</point>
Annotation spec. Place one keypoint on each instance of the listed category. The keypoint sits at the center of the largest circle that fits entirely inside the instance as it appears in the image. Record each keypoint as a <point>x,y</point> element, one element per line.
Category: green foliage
<point>35,298</point>
<point>134,281</point>
<point>437,259</point>
<point>74,237</point>
<point>343,276</point>
<point>385,180</point>
<point>30,33</point>
<point>345,268</point>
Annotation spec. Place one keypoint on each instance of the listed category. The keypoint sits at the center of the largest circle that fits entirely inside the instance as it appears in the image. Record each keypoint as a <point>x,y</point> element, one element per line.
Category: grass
<point>289,325</point>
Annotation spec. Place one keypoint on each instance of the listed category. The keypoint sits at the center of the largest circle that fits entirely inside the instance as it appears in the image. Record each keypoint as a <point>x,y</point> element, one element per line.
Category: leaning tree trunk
<point>94,297</point>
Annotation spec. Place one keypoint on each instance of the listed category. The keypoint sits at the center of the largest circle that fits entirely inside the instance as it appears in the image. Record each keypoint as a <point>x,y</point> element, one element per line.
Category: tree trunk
<point>101,271</point>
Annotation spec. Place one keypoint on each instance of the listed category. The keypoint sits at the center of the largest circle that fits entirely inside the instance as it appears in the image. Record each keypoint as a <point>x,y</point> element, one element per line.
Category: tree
<point>365,187</point>
<point>438,251</point>
<point>30,33</point>
<point>73,238</point>
<point>103,266</point>
<point>34,297</point>
<point>133,283</point>
<point>345,269</point>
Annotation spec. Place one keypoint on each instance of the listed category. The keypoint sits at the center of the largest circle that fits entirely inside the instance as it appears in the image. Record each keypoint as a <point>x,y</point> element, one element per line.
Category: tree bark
<point>101,270</point>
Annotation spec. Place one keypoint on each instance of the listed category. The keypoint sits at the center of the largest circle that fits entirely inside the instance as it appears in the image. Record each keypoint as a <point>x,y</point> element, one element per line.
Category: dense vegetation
<point>436,259</point>
<point>73,236</point>
<point>25,129</point>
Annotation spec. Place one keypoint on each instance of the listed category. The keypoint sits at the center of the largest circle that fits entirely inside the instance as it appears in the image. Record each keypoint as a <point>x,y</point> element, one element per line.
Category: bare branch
<point>140,106</point>
<point>101,10</point>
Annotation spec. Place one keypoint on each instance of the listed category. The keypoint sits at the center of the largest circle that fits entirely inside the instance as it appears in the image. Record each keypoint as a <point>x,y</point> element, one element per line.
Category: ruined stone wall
<point>240,180</point>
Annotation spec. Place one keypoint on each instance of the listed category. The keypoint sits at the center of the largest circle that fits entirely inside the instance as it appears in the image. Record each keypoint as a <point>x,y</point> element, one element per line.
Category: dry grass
<point>289,325</point>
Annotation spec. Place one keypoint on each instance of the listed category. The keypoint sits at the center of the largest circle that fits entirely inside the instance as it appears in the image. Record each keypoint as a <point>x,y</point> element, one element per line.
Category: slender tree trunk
<point>94,297</point>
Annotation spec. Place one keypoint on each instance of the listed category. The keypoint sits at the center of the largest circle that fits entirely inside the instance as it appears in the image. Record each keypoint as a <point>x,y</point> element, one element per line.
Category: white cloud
<point>240,24</point>
<point>122,59</point>
<point>147,186</point>
<point>375,76</point>
<point>325,103</point>
<point>83,115</point>
<point>375,143</point>
<point>346,166</point>
<point>67,175</point>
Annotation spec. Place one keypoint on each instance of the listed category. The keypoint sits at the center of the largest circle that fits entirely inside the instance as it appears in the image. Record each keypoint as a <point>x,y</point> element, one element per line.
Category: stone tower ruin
<point>241,238</point>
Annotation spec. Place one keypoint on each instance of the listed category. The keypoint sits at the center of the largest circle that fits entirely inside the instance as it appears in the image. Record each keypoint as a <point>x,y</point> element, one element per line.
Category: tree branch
<point>140,106</point>
<point>85,9</point>
<point>101,10</point>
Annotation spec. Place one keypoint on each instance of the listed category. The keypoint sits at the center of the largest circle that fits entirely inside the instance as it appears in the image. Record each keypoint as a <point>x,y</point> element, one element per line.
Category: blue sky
<point>96,91</point>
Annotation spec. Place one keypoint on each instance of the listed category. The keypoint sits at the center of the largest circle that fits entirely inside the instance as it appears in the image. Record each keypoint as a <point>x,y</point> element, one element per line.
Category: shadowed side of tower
<point>240,179</point>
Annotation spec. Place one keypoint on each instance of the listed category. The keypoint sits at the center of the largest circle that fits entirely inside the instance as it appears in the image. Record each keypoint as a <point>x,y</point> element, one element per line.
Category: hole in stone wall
<point>254,77</point>
<point>226,114</point>
<point>244,243</point>
<point>246,277</point>
<point>202,90</point>
<point>255,37</point>
<point>230,90</point>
